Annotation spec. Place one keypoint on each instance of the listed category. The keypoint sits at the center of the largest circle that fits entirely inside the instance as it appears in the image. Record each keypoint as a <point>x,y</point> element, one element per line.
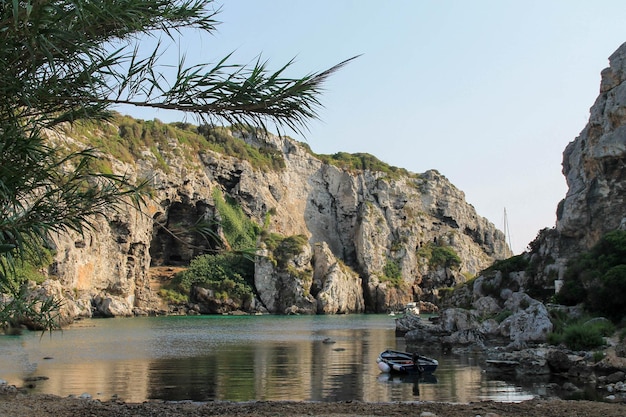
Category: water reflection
<point>237,359</point>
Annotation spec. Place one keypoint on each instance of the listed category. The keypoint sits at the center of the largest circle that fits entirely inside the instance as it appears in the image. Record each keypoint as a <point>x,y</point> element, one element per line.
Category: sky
<point>489,93</point>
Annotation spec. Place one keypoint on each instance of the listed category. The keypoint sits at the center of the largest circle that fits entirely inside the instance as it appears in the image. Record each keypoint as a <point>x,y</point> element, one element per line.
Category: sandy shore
<point>20,405</point>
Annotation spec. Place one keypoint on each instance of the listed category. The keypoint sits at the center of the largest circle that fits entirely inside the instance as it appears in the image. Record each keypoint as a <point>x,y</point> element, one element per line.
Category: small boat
<point>412,308</point>
<point>395,361</point>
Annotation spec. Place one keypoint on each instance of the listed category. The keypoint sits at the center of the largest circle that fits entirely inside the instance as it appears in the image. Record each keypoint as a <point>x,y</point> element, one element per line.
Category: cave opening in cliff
<point>175,241</point>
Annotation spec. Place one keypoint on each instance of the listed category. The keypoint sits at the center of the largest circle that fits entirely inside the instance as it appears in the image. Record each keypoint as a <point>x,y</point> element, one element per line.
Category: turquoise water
<point>236,358</point>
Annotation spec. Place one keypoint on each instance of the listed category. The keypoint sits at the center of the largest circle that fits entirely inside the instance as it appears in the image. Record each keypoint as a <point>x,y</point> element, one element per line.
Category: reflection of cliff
<point>230,359</point>
<point>281,371</point>
<point>102,379</point>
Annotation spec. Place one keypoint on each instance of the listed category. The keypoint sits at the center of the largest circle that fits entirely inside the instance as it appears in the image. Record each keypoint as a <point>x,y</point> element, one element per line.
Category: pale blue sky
<point>489,93</point>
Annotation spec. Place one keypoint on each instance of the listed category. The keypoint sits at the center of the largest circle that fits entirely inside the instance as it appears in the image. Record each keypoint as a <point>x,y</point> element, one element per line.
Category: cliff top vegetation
<point>126,138</point>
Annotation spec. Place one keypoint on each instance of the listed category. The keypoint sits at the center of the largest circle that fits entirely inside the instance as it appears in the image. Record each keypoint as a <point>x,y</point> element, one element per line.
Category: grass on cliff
<point>439,256</point>
<point>359,162</point>
<point>240,231</point>
<point>282,249</point>
<point>126,139</point>
<point>34,264</point>
<point>392,273</point>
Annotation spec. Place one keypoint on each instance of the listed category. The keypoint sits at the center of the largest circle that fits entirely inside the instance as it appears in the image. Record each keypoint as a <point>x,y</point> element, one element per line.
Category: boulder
<point>465,337</point>
<point>620,349</point>
<point>528,362</point>
<point>529,325</point>
<point>408,322</point>
<point>559,361</point>
<point>425,335</point>
<point>52,291</point>
<point>486,306</point>
<point>112,306</point>
<point>455,319</point>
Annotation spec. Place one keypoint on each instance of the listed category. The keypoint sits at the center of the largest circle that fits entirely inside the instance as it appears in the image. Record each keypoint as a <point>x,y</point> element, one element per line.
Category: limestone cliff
<point>360,225</point>
<point>594,165</point>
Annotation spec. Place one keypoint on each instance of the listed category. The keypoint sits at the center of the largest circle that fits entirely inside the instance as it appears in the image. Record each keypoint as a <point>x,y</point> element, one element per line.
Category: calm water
<point>232,358</point>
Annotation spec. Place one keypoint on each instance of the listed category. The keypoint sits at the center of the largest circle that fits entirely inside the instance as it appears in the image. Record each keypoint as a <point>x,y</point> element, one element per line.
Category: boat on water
<point>412,308</point>
<point>395,361</point>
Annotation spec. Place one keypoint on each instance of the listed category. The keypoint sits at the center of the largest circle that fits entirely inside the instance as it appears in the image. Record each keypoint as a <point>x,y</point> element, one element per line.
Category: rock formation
<point>360,224</point>
<point>594,165</point>
<point>497,304</point>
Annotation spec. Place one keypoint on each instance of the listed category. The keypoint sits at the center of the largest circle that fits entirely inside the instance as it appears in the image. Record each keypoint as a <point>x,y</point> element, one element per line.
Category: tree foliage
<point>64,61</point>
<point>597,278</point>
<point>228,274</point>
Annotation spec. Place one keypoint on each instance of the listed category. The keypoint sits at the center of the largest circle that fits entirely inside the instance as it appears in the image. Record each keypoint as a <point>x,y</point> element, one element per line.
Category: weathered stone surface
<point>486,306</point>
<point>620,349</point>
<point>408,322</point>
<point>595,170</point>
<point>465,337</point>
<point>423,334</point>
<point>528,362</point>
<point>559,361</point>
<point>455,319</point>
<point>337,289</point>
<point>112,306</point>
<point>52,291</point>
<point>366,220</point>
<point>286,290</point>
<point>530,321</point>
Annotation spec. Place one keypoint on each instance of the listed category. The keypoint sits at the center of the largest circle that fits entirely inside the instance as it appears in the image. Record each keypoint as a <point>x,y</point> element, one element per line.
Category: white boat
<point>395,361</point>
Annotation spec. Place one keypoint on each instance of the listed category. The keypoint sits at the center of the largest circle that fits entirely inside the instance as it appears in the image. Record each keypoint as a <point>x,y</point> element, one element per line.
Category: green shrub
<point>513,264</point>
<point>597,278</point>
<point>219,139</point>
<point>559,319</point>
<point>582,337</point>
<point>228,274</point>
<point>580,334</point>
<point>445,256</point>
<point>392,272</point>
<point>439,256</point>
<point>173,296</point>
<point>503,315</point>
<point>555,338</point>
<point>33,264</point>
<point>359,162</point>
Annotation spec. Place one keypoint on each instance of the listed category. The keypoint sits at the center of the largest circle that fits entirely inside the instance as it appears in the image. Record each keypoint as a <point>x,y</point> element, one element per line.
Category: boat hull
<point>394,361</point>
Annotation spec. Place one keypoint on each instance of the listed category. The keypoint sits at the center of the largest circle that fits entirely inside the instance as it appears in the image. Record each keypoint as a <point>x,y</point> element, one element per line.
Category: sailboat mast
<point>507,231</point>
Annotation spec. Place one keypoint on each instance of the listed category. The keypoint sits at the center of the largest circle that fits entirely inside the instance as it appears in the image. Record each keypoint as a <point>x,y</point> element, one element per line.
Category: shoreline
<point>17,404</point>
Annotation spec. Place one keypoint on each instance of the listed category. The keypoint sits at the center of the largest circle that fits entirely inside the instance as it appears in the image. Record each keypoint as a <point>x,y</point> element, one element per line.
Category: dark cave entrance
<point>174,239</point>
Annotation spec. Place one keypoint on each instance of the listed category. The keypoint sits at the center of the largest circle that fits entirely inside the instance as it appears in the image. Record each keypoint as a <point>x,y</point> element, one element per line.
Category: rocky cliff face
<point>359,225</point>
<point>594,165</point>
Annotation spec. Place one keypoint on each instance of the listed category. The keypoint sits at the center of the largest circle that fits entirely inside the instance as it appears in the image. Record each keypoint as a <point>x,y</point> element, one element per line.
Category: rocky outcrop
<point>285,289</point>
<point>360,225</point>
<point>337,288</point>
<point>594,165</point>
<point>493,310</point>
